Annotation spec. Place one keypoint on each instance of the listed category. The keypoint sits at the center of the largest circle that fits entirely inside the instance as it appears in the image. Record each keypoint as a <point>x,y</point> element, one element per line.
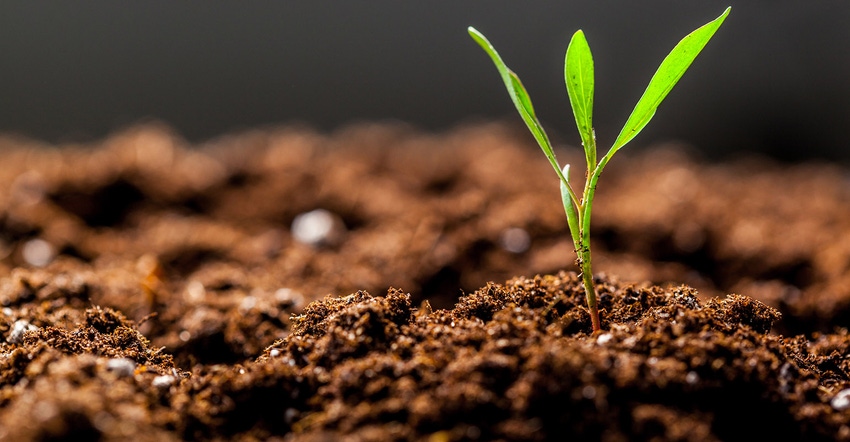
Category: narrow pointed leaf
<point>569,208</point>
<point>520,98</point>
<point>667,75</point>
<point>524,101</point>
<point>578,75</point>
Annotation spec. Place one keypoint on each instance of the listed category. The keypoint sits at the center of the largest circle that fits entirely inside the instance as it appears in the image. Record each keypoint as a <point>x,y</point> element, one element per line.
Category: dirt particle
<point>21,326</point>
<point>195,291</point>
<point>288,297</point>
<point>318,227</point>
<point>163,381</point>
<point>123,367</point>
<point>841,401</point>
<point>38,252</point>
<point>247,303</point>
<point>515,240</point>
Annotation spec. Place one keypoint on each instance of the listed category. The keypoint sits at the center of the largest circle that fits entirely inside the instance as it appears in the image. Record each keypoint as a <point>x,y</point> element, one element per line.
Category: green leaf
<point>569,208</point>
<point>667,75</point>
<point>578,75</point>
<point>520,98</point>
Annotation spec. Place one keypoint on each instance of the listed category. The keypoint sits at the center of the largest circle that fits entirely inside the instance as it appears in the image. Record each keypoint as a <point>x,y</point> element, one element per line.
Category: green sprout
<point>578,74</point>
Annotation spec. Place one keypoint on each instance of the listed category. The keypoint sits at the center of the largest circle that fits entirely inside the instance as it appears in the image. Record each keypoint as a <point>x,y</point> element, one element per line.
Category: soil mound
<point>152,290</point>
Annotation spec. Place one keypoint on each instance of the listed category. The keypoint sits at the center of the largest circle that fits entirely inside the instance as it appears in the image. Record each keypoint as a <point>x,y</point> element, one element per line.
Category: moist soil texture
<point>381,283</point>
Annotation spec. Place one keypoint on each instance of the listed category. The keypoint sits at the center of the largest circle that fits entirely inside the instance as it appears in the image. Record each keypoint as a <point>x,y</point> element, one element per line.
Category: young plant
<point>578,74</point>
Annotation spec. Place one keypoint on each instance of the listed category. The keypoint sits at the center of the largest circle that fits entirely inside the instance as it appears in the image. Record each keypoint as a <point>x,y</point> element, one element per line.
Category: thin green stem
<point>587,280</point>
<point>583,251</point>
<point>577,214</point>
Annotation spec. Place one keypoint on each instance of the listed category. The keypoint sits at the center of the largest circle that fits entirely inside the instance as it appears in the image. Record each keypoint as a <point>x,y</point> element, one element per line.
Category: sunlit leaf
<point>520,98</point>
<point>667,75</point>
<point>578,76</point>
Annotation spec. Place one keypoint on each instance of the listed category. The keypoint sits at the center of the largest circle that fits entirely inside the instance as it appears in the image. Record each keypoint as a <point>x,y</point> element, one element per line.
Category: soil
<point>154,290</point>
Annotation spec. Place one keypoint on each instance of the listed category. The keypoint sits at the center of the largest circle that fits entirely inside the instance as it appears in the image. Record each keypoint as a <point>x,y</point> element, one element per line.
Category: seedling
<point>578,74</point>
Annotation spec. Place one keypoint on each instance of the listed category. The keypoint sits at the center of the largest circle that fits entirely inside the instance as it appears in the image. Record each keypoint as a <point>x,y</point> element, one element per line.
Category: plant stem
<point>578,217</point>
<point>583,250</point>
<point>589,288</point>
<point>583,246</point>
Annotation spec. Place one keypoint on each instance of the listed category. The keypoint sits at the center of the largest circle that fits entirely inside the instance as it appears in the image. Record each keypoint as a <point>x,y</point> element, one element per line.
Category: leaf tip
<point>725,13</point>
<point>476,35</point>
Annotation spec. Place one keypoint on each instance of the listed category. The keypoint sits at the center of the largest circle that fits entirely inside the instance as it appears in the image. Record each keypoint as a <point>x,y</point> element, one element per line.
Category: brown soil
<point>152,290</point>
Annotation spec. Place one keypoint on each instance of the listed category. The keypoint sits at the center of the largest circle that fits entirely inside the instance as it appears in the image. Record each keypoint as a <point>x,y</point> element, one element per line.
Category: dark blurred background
<point>775,79</point>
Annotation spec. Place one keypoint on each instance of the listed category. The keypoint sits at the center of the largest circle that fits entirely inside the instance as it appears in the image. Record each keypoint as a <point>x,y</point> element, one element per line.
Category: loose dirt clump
<point>151,290</point>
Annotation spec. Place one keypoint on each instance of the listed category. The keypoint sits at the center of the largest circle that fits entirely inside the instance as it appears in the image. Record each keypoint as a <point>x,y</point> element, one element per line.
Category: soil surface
<point>283,284</point>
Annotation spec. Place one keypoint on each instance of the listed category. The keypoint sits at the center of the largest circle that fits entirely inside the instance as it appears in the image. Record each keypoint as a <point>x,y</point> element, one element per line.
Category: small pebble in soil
<point>38,252</point>
<point>318,228</point>
<point>604,338</point>
<point>515,240</point>
<point>28,188</point>
<point>289,415</point>
<point>247,304</point>
<point>103,421</point>
<point>195,291</point>
<point>123,367</point>
<point>163,381</point>
<point>841,401</point>
<point>692,377</point>
<point>289,298</point>
<point>44,411</point>
<point>21,326</point>
<point>588,392</point>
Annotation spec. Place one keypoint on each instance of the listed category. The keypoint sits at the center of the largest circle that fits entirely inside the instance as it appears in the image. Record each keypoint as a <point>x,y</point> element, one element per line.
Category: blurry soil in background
<point>155,290</point>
